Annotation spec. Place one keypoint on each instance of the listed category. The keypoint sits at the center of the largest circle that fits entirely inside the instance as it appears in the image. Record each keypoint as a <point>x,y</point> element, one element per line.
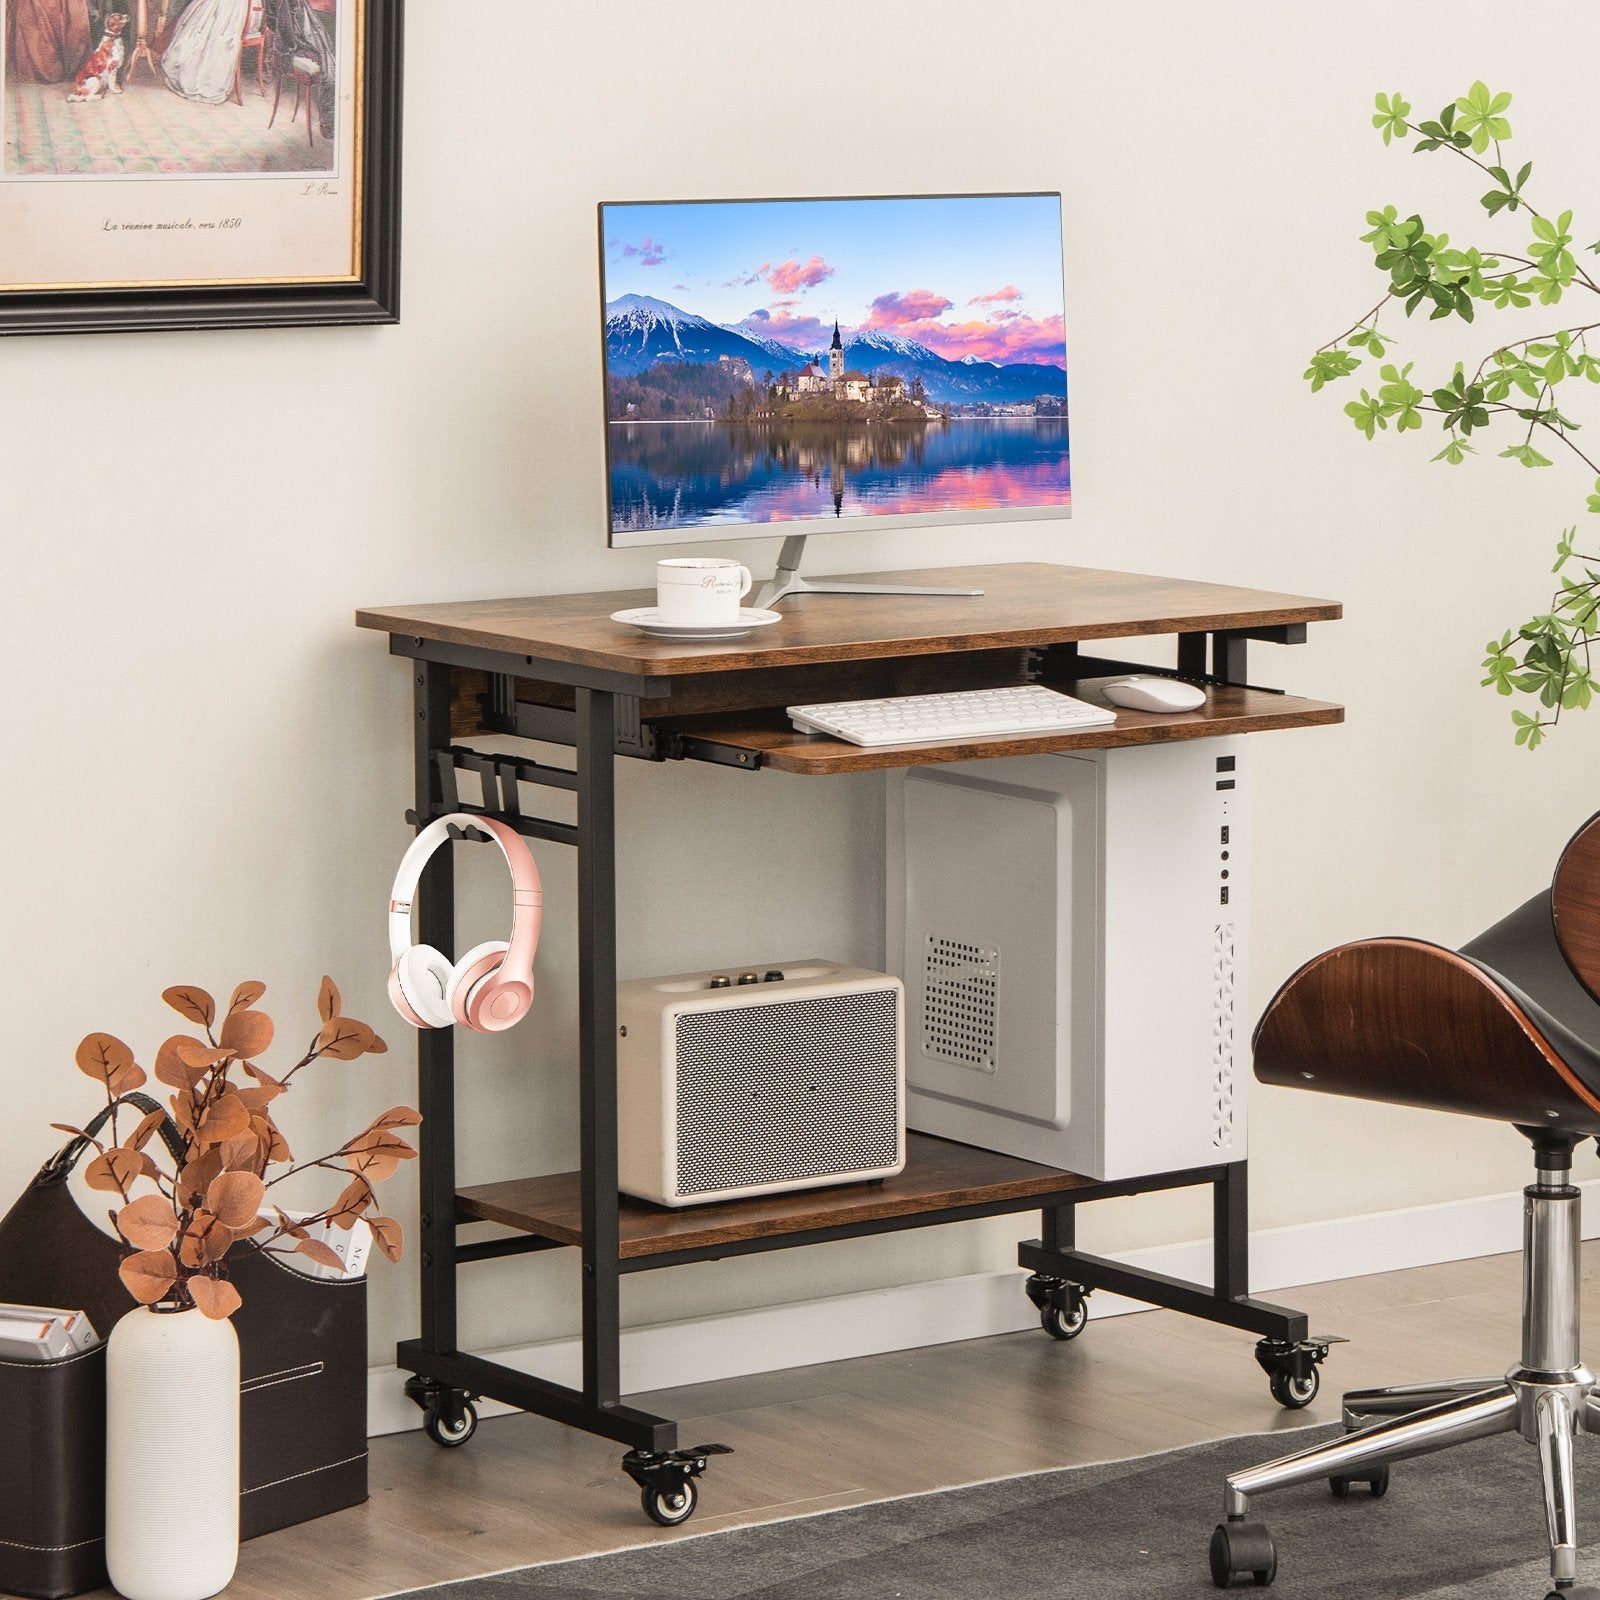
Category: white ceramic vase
<point>172,1455</point>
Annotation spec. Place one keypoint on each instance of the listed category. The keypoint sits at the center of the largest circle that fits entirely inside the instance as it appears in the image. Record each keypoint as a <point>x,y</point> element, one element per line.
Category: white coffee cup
<point>700,591</point>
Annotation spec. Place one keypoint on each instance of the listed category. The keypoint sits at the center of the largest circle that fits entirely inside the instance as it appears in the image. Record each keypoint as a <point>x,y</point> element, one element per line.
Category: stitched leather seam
<point>269,1380</point>
<point>51,1549</point>
<point>60,1361</point>
<point>348,1461</point>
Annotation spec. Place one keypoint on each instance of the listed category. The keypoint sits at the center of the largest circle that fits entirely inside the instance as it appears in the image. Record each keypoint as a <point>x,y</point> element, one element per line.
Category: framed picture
<point>198,163</point>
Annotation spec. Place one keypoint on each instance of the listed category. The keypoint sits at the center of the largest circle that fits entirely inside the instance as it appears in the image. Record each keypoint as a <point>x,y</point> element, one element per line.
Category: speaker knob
<point>720,982</point>
<point>748,977</point>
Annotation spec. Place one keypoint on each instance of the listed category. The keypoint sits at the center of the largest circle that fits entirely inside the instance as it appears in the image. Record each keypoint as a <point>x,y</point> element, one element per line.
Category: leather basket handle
<point>56,1169</point>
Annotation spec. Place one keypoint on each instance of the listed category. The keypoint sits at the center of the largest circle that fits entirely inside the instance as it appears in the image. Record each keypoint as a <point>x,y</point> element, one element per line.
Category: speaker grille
<point>794,1089</point>
<point>960,1000</point>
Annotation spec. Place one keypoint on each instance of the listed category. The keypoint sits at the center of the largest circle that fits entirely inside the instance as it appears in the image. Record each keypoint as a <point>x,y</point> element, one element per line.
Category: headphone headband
<point>527,894</point>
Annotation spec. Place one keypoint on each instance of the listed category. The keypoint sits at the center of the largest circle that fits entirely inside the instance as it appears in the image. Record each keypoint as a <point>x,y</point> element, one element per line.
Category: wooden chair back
<point>1575,904</point>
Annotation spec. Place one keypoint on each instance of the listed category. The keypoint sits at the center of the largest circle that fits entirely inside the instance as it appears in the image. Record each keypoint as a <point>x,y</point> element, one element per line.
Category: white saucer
<point>648,620</point>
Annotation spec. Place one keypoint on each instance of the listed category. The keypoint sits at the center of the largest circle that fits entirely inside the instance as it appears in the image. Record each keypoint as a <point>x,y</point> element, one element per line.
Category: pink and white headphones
<point>491,987</point>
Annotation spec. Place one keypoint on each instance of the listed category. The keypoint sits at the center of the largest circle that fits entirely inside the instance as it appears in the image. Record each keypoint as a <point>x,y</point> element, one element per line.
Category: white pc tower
<point>1070,930</point>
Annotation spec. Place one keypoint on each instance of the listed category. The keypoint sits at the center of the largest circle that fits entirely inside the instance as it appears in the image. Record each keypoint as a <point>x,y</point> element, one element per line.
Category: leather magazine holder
<point>303,1389</point>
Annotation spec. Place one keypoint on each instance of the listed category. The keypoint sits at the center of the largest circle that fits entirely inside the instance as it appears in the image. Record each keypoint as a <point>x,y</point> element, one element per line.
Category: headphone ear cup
<point>422,976</point>
<point>481,961</point>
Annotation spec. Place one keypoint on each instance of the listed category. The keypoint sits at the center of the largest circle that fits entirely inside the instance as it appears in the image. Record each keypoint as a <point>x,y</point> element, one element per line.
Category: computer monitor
<point>794,366</point>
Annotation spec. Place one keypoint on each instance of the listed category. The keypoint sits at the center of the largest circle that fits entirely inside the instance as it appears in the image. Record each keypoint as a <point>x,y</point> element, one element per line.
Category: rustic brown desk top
<point>1025,604</point>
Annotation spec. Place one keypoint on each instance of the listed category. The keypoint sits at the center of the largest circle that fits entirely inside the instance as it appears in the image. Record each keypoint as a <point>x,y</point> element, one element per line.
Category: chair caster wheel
<point>1377,1483</point>
<point>669,1507</point>
<point>1580,1591</point>
<point>1063,1306</point>
<point>1243,1548</point>
<point>452,1433</point>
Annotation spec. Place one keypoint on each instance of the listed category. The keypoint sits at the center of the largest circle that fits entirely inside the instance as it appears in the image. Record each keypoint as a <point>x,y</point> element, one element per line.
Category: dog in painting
<point>99,75</point>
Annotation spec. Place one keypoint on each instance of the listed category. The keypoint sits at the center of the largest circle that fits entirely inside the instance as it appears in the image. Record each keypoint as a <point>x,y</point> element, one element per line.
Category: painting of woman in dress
<point>203,51</point>
<point>46,40</point>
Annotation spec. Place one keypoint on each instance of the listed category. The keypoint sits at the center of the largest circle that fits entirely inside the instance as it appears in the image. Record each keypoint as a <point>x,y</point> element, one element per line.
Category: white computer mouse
<point>1154,694</point>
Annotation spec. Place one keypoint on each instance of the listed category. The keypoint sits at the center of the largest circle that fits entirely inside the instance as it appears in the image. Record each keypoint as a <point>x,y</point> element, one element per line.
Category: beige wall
<point>205,764</point>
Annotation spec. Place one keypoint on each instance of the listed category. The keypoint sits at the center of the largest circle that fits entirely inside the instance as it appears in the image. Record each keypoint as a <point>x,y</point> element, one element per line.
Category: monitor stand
<point>786,580</point>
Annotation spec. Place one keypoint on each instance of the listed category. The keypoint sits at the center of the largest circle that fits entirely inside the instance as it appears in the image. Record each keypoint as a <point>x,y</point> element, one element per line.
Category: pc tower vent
<point>960,1002</point>
<point>1222,1040</point>
<point>788,1090</point>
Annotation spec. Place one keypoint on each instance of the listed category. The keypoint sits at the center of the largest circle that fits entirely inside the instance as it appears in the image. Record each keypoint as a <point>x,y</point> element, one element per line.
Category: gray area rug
<point>1467,1524</point>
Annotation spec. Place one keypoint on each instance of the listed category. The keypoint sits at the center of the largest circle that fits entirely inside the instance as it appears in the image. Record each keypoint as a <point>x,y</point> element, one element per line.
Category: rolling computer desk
<point>557,671</point>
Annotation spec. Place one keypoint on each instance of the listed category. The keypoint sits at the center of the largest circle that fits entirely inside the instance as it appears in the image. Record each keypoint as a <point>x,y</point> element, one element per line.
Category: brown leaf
<point>116,1169</point>
<point>323,1255</point>
<point>247,1033</point>
<point>141,1135</point>
<point>255,1225</point>
<point>356,1196</point>
<point>377,1047</point>
<point>197,1053</point>
<point>192,1002</point>
<point>344,1038</point>
<point>205,1241</point>
<point>328,1000</point>
<point>148,1223</point>
<point>240,1153</point>
<point>102,1055</point>
<point>259,1098</point>
<point>226,1118</point>
<point>235,1198</point>
<point>398,1117</point>
<point>388,1235</point>
<point>199,1175</point>
<point>265,1079</point>
<point>172,1069</point>
<point>288,1225</point>
<point>183,1114</point>
<point>149,1275</point>
<point>126,1079</point>
<point>278,1148</point>
<point>245,995</point>
<point>216,1297</point>
<point>373,1165</point>
<point>66,1127</point>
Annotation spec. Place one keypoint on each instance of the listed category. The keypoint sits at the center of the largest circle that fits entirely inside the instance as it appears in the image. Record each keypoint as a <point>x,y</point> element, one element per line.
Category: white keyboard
<point>1027,708</point>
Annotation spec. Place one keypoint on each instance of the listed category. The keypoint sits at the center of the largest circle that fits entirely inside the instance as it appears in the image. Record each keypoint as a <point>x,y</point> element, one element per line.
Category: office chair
<point>1508,1028</point>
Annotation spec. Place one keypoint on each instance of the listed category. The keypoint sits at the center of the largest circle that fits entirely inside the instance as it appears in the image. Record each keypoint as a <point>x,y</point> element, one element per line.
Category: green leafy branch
<point>1521,386</point>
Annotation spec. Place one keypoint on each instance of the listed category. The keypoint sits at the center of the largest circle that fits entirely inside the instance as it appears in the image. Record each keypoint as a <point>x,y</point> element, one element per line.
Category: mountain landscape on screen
<point>797,360</point>
<point>642,331</point>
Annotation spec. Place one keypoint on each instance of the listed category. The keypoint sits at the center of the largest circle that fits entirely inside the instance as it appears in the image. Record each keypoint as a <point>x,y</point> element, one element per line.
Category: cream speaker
<point>740,1083</point>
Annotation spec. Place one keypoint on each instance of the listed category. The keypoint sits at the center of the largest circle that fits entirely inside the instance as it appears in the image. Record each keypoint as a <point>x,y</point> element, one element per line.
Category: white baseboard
<point>943,1311</point>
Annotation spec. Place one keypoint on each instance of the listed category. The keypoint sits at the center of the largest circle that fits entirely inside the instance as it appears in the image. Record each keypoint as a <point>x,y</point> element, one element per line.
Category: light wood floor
<point>815,1438</point>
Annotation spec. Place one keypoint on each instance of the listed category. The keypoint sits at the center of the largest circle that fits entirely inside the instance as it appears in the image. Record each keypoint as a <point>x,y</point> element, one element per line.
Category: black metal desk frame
<point>603,724</point>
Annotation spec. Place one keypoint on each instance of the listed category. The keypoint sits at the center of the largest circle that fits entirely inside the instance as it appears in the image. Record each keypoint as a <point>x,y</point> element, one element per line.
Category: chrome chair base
<point>1548,1398</point>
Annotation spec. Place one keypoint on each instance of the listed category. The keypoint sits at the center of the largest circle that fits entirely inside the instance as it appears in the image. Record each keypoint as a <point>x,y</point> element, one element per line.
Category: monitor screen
<point>797,366</point>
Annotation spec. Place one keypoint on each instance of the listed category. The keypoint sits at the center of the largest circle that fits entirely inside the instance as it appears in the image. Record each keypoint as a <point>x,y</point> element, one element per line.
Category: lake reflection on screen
<point>700,474</point>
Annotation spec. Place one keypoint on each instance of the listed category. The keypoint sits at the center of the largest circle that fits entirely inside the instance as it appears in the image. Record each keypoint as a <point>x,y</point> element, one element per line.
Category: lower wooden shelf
<point>941,1180</point>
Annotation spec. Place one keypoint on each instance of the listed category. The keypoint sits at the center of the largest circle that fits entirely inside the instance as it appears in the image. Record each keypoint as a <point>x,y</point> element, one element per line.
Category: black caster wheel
<point>1240,1549</point>
<point>1292,1392</point>
<point>1065,1321</point>
<point>669,1507</point>
<point>1581,1591</point>
<point>1063,1306</point>
<point>452,1435</point>
<point>1377,1484</point>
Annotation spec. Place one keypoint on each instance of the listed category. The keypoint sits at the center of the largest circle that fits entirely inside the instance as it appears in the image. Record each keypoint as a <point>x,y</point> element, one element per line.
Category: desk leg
<point>436,1048</point>
<point>597,1046</point>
